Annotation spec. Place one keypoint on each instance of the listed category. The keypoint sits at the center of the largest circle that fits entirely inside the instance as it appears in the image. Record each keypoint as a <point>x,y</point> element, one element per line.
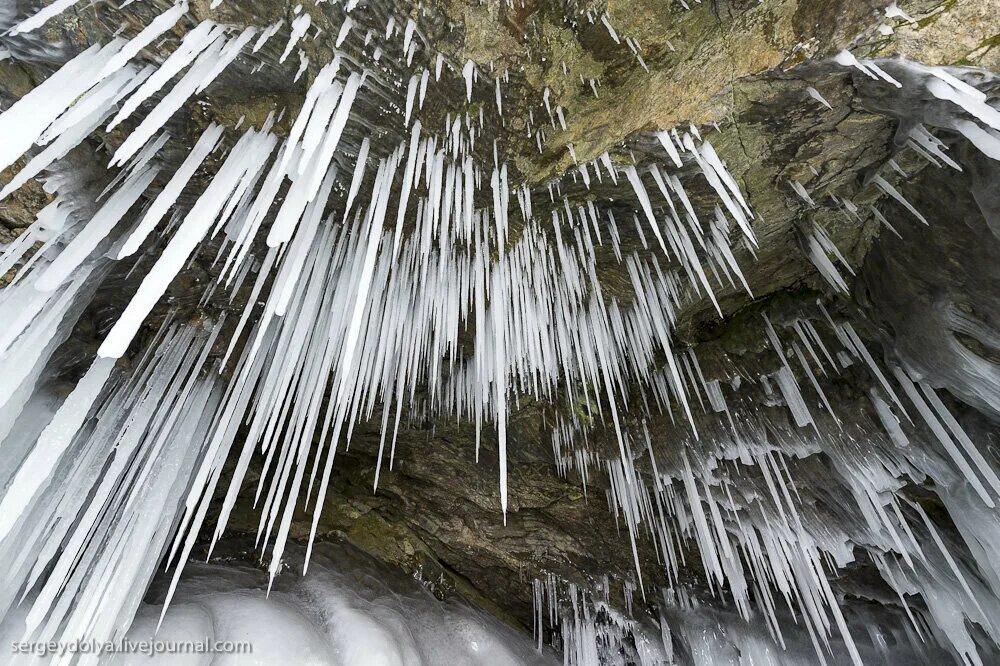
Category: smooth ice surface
<point>347,611</point>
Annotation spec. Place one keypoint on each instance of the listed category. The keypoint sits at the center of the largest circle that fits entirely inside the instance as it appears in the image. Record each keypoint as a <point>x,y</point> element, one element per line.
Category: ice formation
<point>358,270</point>
<point>347,610</point>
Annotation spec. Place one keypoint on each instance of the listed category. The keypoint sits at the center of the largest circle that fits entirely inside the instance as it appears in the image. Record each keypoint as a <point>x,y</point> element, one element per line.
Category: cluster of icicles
<point>349,312</point>
<point>979,124</point>
<point>760,539</point>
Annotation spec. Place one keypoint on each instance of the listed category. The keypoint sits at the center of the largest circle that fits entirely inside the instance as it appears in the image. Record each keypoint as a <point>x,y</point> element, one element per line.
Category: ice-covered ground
<point>346,611</point>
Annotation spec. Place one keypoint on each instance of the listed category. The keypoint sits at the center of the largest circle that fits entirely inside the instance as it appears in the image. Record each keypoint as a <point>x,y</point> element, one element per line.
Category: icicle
<point>39,19</point>
<point>359,175</point>
<point>168,196</point>
<point>884,185</point>
<point>27,118</point>
<point>345,29</point>
<point>408,34</point>
<point>671,149</point>
<point>39,466</point>
<point>266,35</point>
<point>300,24</point>
<point>194,43</point>
<point>818,97</point>
<point>95,231</point>
<point>208,66</point>
<point>611,31</point>
<point>411,93</point>
<point>467,72</point>
<point>157,27</point>
<point>196,224</point>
